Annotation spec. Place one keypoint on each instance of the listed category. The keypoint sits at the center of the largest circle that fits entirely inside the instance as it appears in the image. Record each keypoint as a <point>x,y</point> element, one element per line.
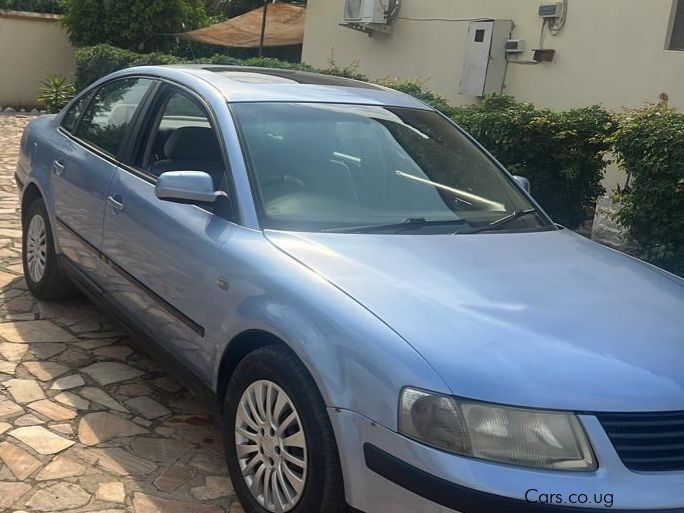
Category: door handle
<point>116,203</point>
<point>58,167</point>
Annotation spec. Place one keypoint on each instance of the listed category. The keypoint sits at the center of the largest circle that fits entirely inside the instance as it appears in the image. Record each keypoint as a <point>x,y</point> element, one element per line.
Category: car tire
<point>276,371</point>
<point>42,273</point>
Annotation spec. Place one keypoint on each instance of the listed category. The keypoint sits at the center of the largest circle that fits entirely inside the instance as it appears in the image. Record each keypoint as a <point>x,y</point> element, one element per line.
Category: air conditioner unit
<point>365,11</point>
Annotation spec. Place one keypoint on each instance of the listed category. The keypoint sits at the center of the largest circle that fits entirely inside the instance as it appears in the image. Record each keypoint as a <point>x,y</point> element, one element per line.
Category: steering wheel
<point>287,182</point>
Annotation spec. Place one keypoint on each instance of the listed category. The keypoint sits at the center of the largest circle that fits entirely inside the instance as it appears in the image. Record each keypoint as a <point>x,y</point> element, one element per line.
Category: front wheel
<point>44,277</point>
<point>281,450</point>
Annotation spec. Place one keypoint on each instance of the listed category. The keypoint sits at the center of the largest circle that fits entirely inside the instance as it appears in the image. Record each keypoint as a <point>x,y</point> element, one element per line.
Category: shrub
<point>55,92</point>
<point>140,25</point>
<point>648,144</point>
<point>94,62</point>
<point>562,153</point>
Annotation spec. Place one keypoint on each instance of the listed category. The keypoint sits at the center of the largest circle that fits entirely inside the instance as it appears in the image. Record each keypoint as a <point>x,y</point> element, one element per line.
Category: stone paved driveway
<point>87,421</point>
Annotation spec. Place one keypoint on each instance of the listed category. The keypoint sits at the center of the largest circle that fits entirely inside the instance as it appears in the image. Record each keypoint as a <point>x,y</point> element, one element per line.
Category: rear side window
<point>109,115</point>
<point>74,113</point>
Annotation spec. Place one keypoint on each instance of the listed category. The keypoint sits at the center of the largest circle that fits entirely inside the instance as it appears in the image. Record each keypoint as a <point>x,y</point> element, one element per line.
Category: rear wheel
<point>280,446</point>
<point>44,277</point>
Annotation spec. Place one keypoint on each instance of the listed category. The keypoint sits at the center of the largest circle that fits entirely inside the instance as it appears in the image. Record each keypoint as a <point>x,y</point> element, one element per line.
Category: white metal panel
<point>478,45</point>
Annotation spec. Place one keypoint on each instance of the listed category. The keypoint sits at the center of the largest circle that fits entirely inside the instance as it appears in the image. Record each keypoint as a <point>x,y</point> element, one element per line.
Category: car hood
<point>548,320</point>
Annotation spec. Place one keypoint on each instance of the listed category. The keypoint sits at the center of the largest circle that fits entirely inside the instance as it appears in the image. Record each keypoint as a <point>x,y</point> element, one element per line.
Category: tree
<point>139,25</point>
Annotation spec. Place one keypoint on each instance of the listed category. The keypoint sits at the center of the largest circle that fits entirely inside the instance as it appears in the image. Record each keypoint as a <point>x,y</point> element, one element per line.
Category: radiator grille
<point>647,442</point>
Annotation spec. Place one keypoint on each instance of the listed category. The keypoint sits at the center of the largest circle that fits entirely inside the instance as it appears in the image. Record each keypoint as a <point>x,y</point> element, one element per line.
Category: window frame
<point>87,96</point>
<point>677,9</point>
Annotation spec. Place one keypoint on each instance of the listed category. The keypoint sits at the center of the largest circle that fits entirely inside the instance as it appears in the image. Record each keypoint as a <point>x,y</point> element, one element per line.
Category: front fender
<point>357,361</point>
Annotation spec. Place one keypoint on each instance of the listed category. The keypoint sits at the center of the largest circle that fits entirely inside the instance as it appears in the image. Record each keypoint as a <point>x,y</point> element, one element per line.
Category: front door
<point>163,259</point>
<point>85,163</point>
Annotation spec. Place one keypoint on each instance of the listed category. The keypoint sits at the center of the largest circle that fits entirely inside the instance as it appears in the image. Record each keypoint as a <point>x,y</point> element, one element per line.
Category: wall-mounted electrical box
<point>484,67</point>
<point>515,46</point>
<point>551,10</point>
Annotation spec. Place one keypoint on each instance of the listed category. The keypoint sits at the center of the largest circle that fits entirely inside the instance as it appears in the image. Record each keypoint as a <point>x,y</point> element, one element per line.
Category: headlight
<point>531,438</point>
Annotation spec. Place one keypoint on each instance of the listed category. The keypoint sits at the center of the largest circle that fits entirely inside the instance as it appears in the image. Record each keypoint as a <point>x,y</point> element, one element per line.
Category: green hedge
<point>649,143</point>
<point>562,153</point>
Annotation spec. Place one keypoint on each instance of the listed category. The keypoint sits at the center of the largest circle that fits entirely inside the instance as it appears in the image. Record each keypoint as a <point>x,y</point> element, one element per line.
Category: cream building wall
<point>610,51</point>
<point>32,46</point>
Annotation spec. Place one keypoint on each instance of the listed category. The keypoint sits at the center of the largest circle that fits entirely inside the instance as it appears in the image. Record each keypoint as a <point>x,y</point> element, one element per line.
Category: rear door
<point>85,163</point>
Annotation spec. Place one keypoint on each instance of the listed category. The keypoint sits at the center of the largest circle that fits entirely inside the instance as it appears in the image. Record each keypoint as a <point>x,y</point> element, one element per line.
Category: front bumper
<point>385,472</point>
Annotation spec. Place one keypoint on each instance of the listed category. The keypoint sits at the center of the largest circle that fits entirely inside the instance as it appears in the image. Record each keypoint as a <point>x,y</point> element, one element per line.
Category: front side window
<point>183,139</point>
<point>326,167</point>
<point>109,115</point>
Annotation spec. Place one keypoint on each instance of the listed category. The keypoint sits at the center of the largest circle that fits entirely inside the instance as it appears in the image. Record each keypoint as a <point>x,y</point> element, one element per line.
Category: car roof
<point>251,84</point>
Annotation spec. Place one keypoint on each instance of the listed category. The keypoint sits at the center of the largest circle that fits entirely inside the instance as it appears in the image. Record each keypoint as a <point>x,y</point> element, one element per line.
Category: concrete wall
<point>32,46</point>
<point>610,52</point>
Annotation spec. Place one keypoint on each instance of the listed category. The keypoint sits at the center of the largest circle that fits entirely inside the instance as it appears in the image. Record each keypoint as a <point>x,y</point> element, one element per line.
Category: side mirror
<point>523,182</point>
<point>187,187</point>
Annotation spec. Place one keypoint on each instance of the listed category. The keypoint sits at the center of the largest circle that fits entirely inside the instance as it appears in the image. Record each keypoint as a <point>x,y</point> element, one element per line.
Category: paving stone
<point>68,382</point>
<point>89,345</point>
<point>52,410</point>
<point>100,427</point>
<point>236,507</point>
<point>114,352</point>
<point>158,449</point>
<point>168,384</point>
<point>144,503</point>
<point>106,373</point>
<point>7,367</point>
<point>101,397</point>
<point>41,440</point>
<point>123,463</point>
<point>45,351</point>
<point>33,331</point>
<point>59,468</point>
<point>19,461</point>
<point>24,390</point>
<point>28,420</point>
<point>4,426</point>
<point>134,390</point>
<point>174,477</point>
<point>147,407</point>
<point>59,496</point>
<point>65,429</point>
<point>10,493</point>
<point>75,358</point>
<point>9,409</point>
<point>215,487</point>
<point>13,352</point>
<point>45,371</point>
<point>111,492</point>
<point>69,399</point>
<point>143,422</point>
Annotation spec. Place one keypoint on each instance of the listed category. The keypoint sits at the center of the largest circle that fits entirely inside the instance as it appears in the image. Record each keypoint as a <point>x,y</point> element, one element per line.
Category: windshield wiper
<point>500,223</point>
<point>406,224</point>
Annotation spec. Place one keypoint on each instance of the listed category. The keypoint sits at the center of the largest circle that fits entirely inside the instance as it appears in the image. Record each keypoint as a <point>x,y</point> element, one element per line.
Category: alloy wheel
<point>36,248</point>
<point>271,446</point>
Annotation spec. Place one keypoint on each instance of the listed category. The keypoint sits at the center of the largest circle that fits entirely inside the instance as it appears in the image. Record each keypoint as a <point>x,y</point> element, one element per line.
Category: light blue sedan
<point>381,316</point>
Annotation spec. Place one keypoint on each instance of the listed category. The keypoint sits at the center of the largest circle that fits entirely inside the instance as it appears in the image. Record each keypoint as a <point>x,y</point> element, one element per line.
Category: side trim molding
<point>168,307</point>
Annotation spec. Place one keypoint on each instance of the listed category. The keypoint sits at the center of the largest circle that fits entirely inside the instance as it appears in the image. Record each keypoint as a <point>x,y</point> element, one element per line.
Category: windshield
<point>332,167</point>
